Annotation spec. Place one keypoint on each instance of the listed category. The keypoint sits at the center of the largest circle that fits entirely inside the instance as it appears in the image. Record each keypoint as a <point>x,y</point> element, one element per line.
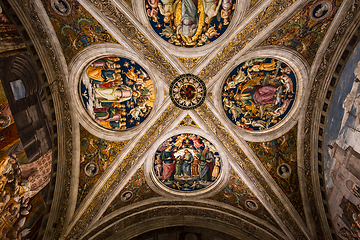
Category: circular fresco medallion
<point>91,169</point>
<point>117,92</point>
<point>321,10</point>
<point>62,7</point>
<point>187,91</point>
<point>251,205</point>
<point>189,23</point>
<point>284,170</point>
<point>187,162</point>
<point>259,93</point>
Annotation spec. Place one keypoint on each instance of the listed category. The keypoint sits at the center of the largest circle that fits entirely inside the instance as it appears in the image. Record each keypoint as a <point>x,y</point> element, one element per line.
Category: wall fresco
<point>74,26</point>
<point>238,194</point>
<point>187,162</point>
<point>305,31</point>
<point>10,39</point>
<point>189,23</point>
<point>22,183</point>
<point>135,190</point>
<point>279,157</point>
<point>117,92</point>
<point>96,155</point>
<point>259,93</point>
<point>342,151</point>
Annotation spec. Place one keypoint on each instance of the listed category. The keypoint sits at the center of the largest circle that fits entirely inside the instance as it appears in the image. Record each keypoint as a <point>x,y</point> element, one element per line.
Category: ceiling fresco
<point>259,93</point>
<point>96,155</point>
<point>305,31</point>
<point>74,26</point>
<point>279,157</point>
<point>238,194</point>
<point>187,162</point>
<point>189,23</point>
<point>134,191</point>
<point>117,92</point>
<point>131,144</point>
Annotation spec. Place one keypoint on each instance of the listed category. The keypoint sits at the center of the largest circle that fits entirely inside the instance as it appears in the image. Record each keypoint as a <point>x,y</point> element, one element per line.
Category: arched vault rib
<point>111,220</point>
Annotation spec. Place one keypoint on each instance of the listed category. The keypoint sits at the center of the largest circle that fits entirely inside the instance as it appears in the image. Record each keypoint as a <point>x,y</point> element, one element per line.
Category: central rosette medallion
<point>187,91</point>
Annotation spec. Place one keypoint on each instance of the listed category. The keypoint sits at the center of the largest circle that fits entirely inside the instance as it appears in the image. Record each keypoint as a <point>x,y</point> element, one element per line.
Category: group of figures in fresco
<point>190,23</point>
<point>21,202</point>
<point>259,93</point>
<point>117,92</point>
<point>187,162</point>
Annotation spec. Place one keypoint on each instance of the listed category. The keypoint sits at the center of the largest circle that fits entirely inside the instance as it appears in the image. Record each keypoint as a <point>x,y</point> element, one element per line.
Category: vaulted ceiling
<point>64,42</point>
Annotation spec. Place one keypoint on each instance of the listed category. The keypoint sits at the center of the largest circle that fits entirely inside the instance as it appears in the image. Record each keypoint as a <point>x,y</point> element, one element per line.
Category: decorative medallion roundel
<point>187,162</point>
<point>187,91</point>
<point>189,23</point>
<point>117,92</point>
<point>259,93</point>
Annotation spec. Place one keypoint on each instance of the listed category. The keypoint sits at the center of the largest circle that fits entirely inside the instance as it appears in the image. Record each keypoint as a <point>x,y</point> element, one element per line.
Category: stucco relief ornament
<point>187,91</point>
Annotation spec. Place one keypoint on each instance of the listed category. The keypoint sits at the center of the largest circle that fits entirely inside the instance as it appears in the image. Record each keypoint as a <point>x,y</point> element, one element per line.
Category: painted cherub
<point>226,11</point>
<point>167,8</point>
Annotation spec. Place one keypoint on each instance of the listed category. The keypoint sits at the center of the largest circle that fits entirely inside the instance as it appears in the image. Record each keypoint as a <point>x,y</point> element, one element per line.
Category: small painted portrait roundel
<point>189,23</point>
<point>117,92</point>
<point>91,169</point>
<point>187,162</point>
<point>284,170</point>
<point>251,205</point>
<point>259,93</point>
<point>321,10</point>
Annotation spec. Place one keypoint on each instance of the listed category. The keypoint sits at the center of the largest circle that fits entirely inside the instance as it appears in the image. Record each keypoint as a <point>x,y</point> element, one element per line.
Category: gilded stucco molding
<point>131,30</point>
<point>193,207</point>
<point>320,76</point>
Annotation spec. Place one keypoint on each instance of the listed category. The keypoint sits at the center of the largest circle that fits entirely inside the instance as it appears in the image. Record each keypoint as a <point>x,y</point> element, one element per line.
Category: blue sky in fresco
<point>346,137</point>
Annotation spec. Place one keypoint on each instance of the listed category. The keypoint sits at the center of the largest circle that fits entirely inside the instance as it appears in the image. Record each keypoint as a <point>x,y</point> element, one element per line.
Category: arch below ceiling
<point>156,213</point>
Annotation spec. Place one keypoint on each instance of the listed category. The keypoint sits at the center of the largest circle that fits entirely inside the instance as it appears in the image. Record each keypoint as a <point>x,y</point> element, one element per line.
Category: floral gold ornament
<point>187,91</point>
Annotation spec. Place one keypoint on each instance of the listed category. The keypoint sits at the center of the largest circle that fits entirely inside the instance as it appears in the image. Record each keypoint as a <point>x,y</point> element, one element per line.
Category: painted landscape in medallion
<point>190,23</point>
<point>342,151</point>
<point>117,92</point>
<point>187,162</point>
<point>259,93</point>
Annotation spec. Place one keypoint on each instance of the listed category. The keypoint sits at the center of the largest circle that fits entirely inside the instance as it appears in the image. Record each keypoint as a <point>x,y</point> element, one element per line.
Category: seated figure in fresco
<point>189,19</point>
<point>257,94</point>
<point>115,94</point>
<point>168,159</point>
<point>187,160</point>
